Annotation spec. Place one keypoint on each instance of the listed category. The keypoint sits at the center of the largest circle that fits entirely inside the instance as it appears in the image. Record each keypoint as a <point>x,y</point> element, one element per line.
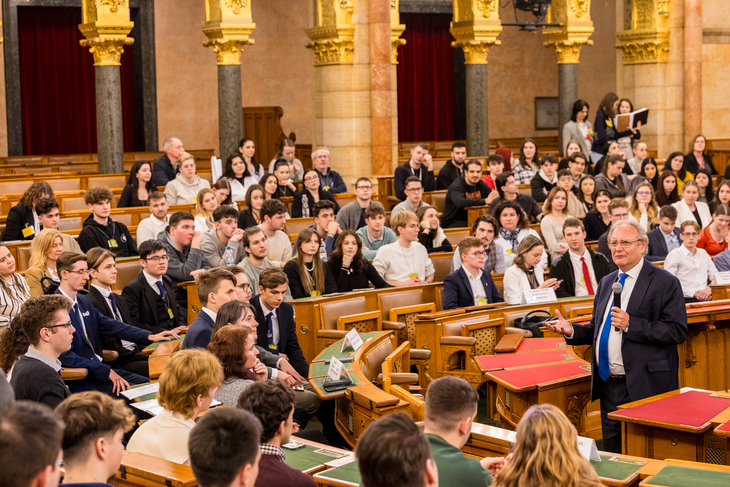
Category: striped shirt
<point>12,297</point>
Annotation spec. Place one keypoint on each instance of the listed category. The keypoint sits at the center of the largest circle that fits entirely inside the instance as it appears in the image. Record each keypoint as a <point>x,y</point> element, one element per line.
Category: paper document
<point>136,392</point>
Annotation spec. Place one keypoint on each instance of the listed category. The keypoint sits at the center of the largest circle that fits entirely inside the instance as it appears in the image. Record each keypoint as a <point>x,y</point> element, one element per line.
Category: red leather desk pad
<point>507,360</point>
<point>694,409</point>
<point>533,376</point>
<point>529,344</point>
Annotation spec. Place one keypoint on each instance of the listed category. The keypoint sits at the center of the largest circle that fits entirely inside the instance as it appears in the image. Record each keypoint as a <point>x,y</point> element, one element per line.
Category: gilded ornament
<point>332,51</point>
<point>475,52</point>
<point>346,5</point>
<point>227,51</point>
<point>568,51</point>
<point>487,7</point>
<point>113,4</point>
<point>579,7</point>
<point>237,6</point>
<point>395,43</point>
<point>645,51</point>
<point>107,52</point>
<point>662,7</point>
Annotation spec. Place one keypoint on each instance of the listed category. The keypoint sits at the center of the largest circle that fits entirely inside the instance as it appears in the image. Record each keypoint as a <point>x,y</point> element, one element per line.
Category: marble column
<point>477,110</point>
<point>109,132</point>
<point>230,113</point>
<point>692,69</point>
<point>380,87</point>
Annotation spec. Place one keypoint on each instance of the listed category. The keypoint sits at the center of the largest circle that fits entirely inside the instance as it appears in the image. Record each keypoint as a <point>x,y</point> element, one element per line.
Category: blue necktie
<point>115,310</point>
<point>163,293</point>
<point>604,368</point>
<point>270,329</point>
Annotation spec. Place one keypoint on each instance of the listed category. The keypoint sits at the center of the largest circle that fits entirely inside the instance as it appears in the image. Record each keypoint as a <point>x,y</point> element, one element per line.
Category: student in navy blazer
<point>651,326</point>
<point>657,242</point>
<point>458,292</point>
<point>86,348</point>
<point>216,287</point>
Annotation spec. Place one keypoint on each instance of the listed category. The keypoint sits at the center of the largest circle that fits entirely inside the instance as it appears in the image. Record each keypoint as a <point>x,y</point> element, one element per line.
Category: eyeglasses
<point>245,286</point>
<point>478,253</point>
<point>313,178</point>
<point>644,193</point>
<point>624,244</point>
<point>414,190</point>
<point>323,156</point>
<point>565,179</point>
<point>158,258</point>
<point>65,325</point>
<point>364,187</point>
<point>81,272</point>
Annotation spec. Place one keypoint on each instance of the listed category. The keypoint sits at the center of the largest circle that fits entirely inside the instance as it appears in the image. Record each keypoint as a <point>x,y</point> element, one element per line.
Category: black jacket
<point>404,171</point>
<point>163,172</point>
<point>540,188</point>
<point>563,270</point>
<point>603,249</point>
<point>296,207</point>
<point>426,239</point>
<point>460,196</point>
<point>141,302</point>
<point>691,164</point>
<point>448,174</point>
<point>594,225</point>
<point>458,293</point>
<point>200,332</point>
<point>113,236</point>
<point>658,245</point>
<point>19,217</point>
<point>296,288</point>
<point>246,219</point>
<point>526,202</point>
<point>109,342</point>
<point>288,342</point>
<point>129,198</point>
<point>350,281</point>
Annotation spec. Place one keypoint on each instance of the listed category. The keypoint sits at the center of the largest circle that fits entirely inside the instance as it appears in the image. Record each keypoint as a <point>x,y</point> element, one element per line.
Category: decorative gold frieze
<point>646,39</point>
<point>339,50</point>
<point>228,26</point>
<point>475,28</point>
<point>576,27</point>
<point>105,26</point>
<point>333,35</point>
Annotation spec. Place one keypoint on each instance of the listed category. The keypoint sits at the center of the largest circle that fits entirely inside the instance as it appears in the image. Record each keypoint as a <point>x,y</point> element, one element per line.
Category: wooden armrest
<point>74,374</point>
<point>344,321</point>
<point>420,354</point>
<point>510,330</point>
<point>400,378</point>
<point>393,325</point>
<point>393,199</point>
<point>468,341</point>
<point>331,334</point>
<point>155,469</point>
<point>110,355</point>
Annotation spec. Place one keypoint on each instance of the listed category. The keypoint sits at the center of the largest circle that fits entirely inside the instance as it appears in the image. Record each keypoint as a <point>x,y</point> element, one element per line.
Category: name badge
<point>316,293</point>
<point>195,199</point>
<point>326,188</point>
<point>170,313</point>
<point>113,243</point>
<point>272,346</point>
<point>28,231</point>
<point>481,302</point>
<point>413,274</point>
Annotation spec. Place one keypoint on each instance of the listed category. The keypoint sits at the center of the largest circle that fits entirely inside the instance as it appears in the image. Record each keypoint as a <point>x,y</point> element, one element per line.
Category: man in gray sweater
<point>352,215</point>
<point>226,234</point>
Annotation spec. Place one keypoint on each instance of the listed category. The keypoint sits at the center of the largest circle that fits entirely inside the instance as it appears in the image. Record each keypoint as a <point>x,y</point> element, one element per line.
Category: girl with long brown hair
<point>643,205</point>
<point>22,222</point>
<point>308,276</point>
<point>349,267</point>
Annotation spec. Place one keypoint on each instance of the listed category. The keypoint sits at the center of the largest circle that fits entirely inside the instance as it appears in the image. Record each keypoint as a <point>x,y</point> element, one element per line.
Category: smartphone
<point>293,445</point>
<point>299,387</point>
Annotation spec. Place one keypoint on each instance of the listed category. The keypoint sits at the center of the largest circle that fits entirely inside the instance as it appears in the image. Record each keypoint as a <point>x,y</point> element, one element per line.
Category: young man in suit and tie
<point>216,287</point>
<point>150,297</point>
<point>665,237</point>
<point>635,345</point>
<point>86,348</point>
<point>469,285</point>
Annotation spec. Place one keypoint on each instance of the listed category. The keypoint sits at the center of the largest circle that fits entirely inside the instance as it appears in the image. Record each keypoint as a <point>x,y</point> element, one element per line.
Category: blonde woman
<point>546,453</point>
<point>205,204</point>
<point>13,288</point>
<point>43,260</point>
<point>555,210</point>
<point>643,207</point>
<point>526,273</point>
<point>183,190</point>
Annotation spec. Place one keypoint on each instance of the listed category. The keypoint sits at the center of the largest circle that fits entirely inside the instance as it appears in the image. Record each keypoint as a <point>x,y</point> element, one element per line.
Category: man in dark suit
<point>635,345</point>
<point>86,348</point>
<point>216,287</point>
<point>150,297</point>
<point>592,266</point>
<point>665,237</point>
<point>276,319</point>
<point>469,285</point>
<point>618,210</point>
<point>166,167</point>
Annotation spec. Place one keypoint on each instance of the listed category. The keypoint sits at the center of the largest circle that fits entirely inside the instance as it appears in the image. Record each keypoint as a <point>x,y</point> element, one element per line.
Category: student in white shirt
<point>688,208</point>
<point>525,273</point>
<point>150,227</point>
<point>273,221</point>
<point>405,262</point>
<point>691,265</point>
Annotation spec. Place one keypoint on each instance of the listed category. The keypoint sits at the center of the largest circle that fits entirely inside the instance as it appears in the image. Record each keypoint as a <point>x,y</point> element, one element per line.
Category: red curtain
<point>426,79</point>
<point>58,91</point>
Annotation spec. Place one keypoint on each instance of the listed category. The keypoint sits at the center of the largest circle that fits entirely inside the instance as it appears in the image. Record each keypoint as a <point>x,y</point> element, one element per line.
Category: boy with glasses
<point>352,215</point>
<point>691,265</point>
<point>414,197</point>
<point>469,285</point>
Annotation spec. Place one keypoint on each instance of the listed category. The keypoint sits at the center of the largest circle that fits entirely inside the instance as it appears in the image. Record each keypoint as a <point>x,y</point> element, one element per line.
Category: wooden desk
<point>347,474</point>
<point>315,457</point>
<point>677,424</point>
<point>138,469</point>
<point>677,473</point>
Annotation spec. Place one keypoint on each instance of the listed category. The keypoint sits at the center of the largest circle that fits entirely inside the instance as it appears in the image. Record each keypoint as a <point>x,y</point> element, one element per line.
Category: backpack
<point>533,320</point>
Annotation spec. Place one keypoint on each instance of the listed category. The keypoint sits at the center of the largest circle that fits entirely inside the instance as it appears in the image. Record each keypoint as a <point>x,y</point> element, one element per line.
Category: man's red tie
<point>587,277</point>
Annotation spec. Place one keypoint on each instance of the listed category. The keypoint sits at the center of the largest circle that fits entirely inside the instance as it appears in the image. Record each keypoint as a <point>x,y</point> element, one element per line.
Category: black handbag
<point>49,285</point>
<point>532,321</point>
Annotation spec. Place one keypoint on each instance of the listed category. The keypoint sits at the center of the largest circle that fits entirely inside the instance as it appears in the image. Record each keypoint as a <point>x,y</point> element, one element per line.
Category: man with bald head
<point>166,168</point>
<point>634,344</point>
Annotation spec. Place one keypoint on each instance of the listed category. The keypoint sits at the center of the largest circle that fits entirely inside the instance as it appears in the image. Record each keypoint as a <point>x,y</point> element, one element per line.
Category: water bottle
<point>305,206</point>
<point>229,257</point>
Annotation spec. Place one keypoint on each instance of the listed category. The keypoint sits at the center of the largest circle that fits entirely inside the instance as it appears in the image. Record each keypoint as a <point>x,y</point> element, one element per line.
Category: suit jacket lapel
<point>602,301</point>
<point>151,296</point>
<point>638,293</point>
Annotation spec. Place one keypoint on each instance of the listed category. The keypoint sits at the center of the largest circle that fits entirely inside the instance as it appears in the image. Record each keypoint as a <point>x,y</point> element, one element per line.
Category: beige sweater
<point>179,192</point>
<point>164,436</point>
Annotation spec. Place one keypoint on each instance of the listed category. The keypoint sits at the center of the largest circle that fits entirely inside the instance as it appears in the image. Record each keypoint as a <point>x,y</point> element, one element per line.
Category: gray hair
<point>322,148</point>
<point>168,143</point>
<point>633,224</point>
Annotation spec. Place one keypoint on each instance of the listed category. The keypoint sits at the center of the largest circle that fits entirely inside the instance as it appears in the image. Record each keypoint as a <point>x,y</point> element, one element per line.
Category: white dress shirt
<point>153,282</point>
<point>580,285</point>
<point>477,287</point>
<point>274,324</point>
<point>693,271</point>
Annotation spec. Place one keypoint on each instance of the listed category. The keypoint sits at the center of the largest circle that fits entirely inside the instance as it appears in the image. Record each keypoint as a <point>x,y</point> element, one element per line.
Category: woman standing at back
<point>605,130</point>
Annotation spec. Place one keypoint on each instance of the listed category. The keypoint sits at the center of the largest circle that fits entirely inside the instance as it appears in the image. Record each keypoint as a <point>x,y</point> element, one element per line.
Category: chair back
<point>372,364</point>
<point>399,299</point>
<point>126,272</point>
<point>329,312</point>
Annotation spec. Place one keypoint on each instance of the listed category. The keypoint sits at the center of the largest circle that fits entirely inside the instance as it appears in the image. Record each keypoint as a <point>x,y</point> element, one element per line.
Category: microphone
<point>617,288</point>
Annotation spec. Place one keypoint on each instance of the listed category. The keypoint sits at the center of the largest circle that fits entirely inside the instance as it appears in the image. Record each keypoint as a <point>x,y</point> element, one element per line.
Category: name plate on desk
<point>352,339</point>
<point>588,449</point>
<point>721,278</point>
<point>539,296</point>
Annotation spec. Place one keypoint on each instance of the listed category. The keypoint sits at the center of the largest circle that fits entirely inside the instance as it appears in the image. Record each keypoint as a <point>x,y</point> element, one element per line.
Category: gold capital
<point>396,30</point>
<point>574,30</point>
<point>105,25</point>
<point>475,28</point>
<point>645,39</point>
<point>475,52</point>
<point>568,51</point>
<point>106,52</point>
<point>228,26</point>
<point>333,34</point>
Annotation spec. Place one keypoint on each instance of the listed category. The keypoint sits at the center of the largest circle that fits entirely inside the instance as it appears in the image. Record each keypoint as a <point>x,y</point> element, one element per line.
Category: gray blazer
<point>571,131</point>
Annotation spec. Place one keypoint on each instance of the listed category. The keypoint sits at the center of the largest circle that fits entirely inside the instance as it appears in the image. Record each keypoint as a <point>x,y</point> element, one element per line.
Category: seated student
<point>222,190</point>
<point>485,228</point>
<point>48,215</point>
<point>139,186</point>
<point>282,171</point>
<point>205,204</point>
<point>307,274</point>
<point>36,375</point>
<point>527,165</point>
<point>273,213</point>
<point>508,190</point>
<point>580,270</point>
<point>612,177</point>
<point>251,216</point>
<point>237,175</point>
<point>666,189</point>
<point>575,205</point>
<point>326,227</point>
<point>691,265</point>
<point>184,189</point>
<point>156,223</point>
<point>465,192</point>
<point>430,233</point>
<point>270,185</point>
<point>513,227</point>
<point>618,209</point>
<point>675,164</point>
<point>420,165</point>
<point>187,386</point>
<point>715,232</point>
<point>495,164</point>
<point>243,287</point>
<point>688,208</point>
<point>186,259</point>
<point>30,450</point>
<point>451,404</point>
<point>256,246</point>
<point>469,285</point>
<point>329,180</point>
<point>640,151</point>
<point>546,453</point>
<point>94,427</point>
<point>42,263</point>
<point>234,347</point>
<point>545,179</point>
<point>586,192</point>
<point>643,208</point>
<point>287,153</point>
<point>99,230</point>
<point>22,222</point>
<point>598,220</point>
<point>103,274</point>
<point>276,319</point>
<point>352,215</point>
<point>272,403</point>
<point>613,148</point>
<point>348,266</point>
<point>150,298</point>
<point>14,290</point>
<point>404,262</point>
<point>374,234</point>
<point>224,449</point>
<point>225,235</point>
<point>665,237</point>
<point>311,194</point>
<point>704,182</point>
<point>526,273</point>
<point>452,170</point>
<point>215,287</point>
<point>414,197</point>
<point>551,225</point>
<point>86,348</point>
